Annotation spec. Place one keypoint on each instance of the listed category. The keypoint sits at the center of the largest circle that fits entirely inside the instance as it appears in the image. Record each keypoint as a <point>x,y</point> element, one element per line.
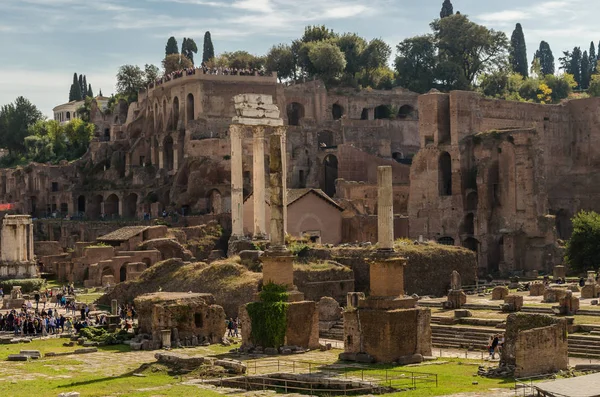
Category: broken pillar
<point>17,257</point>
<point>456,296</point>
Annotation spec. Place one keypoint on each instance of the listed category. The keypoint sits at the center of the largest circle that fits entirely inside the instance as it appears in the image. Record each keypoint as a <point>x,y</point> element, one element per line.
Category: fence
<point>325,378</point>
<point>524,387</point>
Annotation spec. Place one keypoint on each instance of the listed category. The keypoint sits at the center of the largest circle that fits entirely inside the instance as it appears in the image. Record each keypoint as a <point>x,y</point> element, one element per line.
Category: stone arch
<point>446,240</point>
<point>472,201</point>
<point>168,152</point>
<point>337,111</point>
<point>382,112</point>
<point>108,271</point>
<point>116,119</point>
<point>95,208</point>
<point>81,204</point>
<point>471,244</point>
<point>330,174</point>
<point>123,272</point>
<point>564,225</point>
<point>190,107</point>
<point>398,156</point>
<point>445,174</point>
<point>326,139</point>
<point>406,111</point>
<point>214,202</point>
<point>164,109</point>
<point>175,112</point>
<point>469,224</point>
<point>493,183</point>
<point>364,115</point>
<point>68,115</point>
<point>295,113</point>
<point>111,206</point>
<point>130,206</point>
<point>107,134</point>
<point>147,262</point>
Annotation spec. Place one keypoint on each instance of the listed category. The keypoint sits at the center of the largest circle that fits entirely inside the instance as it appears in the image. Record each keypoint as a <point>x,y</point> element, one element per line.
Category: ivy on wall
<point>269,316</point>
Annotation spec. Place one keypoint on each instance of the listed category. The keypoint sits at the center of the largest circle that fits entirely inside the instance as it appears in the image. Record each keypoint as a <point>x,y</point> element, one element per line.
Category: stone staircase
<point>336,332</point>
<point>476,338</point>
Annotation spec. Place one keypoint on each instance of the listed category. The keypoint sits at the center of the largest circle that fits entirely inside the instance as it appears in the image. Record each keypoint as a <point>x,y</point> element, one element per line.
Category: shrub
<point>269,316</point>
<point>27,285</point>
<point>582,250</point>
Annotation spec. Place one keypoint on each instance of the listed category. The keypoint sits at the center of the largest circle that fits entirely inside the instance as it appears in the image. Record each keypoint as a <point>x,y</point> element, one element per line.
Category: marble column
<point>120,206</point>
<point>282,132</point>
<point>258,182</point>
<point>385,208</point>
<point>276,178</point>
<point>161,157</point>
<point>237,181</point>
<point>175,158</point>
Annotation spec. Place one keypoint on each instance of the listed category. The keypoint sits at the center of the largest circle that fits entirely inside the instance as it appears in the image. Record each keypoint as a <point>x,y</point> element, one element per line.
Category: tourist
<point>1,293</point>
<point>230,327</point>
<point>582,282</point>
<point>235,328</point>
<point>492,345</point>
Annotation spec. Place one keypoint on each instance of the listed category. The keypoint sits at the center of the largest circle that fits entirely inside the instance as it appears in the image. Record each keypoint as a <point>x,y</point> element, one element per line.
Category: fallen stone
<point>69,394</point>
<point>587,367</point>
<point>594,302</point>
<point>364,358</point>
<point>462,313</point>
<point>271,351</point>
<point>234,366</point>
<point>412,359</point>
<point>17,357</point>
<point>86,350</point>
<point>135,346</point>
<point>179,360</point>
<point>88,343</point>
<point>31,353</point>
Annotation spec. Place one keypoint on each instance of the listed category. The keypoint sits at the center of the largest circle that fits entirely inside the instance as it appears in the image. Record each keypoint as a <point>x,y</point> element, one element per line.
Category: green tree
<point>188,49</point>
<point>375,56</point>
<point>81,87</point>
<point>240,60</point>
<point>470,47</point>
<point>561,86</point>
<point>447,9</point>
<point>208,51</point>
<point>281,60</point>
<point>593,60</point>
<point>75,93</point>
<point>594,89</point>
<point>546,58</point>
<point>151,73</point>
<point>171,47</point>
<point>416,63</point>
<point>175,62</point>
<point>15,120</point>
<point>327,59</point>
<point>317,33</point>
<point>571,63</point>
<point>494,84</point>
<point>353,46</point>
<point>84,87</point>
<point>582,249</point>
<point>130,79</point>
<point>90,92</point>
<point>585,71</point>
<point>518,52</point>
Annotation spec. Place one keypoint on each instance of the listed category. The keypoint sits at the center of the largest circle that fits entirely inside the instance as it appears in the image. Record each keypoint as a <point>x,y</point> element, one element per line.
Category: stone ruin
<point>535,344</point>
<point>499,293</point>
<point>16,300</point>
<point>591,289</point>
<point>17,258</point>
<point>387,326</point>
<point>456,296</point>
<point>259,112</point>
<point>179,319</point>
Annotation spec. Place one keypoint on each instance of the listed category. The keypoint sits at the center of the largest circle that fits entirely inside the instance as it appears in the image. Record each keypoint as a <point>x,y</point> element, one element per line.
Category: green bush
<point>28,285</point>
<point>269,316</point>
<point>103,336</point>
<point>582,250</point>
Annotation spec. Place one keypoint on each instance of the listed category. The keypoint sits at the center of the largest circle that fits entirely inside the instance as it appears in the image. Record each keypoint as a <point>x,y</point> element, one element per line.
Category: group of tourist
<point>495,344</point>
<point>233,327</point>
<point>127,312</point>
<point>205,69</point>
<point>29,322</point>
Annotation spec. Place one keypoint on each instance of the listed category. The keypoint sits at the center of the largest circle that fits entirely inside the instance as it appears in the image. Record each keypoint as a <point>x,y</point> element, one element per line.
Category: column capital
<point>258,131</point>
<point>280,130</point>
<point>236,129</point>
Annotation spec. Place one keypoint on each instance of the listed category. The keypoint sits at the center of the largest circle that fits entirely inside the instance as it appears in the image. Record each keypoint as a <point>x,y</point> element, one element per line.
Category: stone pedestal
<point>590,291</point>
<point>536,289</point>
<point>559,272</point>
<point>456,299</point>
<point>278,268</point>
<point>512,303</point>
<point>499,293</point>
<point>387,275</point>
<point>114,307</point>
<point>165,336</point>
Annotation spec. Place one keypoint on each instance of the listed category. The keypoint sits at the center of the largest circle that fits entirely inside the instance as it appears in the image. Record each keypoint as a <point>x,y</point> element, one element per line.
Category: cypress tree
<point>585,71</point>
<point>90,93</point>
<point>546,58</point>
<point>518,52</point>
<point>75,93</point>
<point>593,59</point>
<point>208,52</point>
<point>100,94</point>
<point>574,66</point>
<point>84,87</point>
<point>447,9</point>
<point>171,47</point>
<point>81,85</point>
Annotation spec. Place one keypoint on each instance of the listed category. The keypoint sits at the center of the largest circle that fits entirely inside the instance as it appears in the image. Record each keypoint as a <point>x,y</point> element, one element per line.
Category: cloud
<point>544,11</point>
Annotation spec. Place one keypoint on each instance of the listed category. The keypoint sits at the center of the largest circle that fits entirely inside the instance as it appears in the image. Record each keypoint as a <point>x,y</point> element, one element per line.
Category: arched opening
<point>95,210</point>
<point>326,139</point>
<point>446,240</point>
<point>405,111</point>
<point>130,208</point>
<point>472,201</point>
<point>168,148</point>
<point>364,114</point>
<point>295,113</point>
<point>382,112</point>
<point>471,244</point>
<point>564,226</point>
<point>214,202</point>
<point>81,204</point>
<point>107,134</point>
<point>108,271</point>
<point>398,156</point>
<point>111,206</point>
<point>198,321</point>
<point>68,115</point>
<point>445,174</point>
<point>175,112</point>
<point>337,111</point>
<point>190,107</point>
<point>330,171</point>
<point>469,224</point>
<point>123,273</point>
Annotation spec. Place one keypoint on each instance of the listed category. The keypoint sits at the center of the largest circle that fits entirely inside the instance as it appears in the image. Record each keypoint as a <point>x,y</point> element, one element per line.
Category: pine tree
<point>574,66</point>
<point>171,47</point>
<point>189,48</point>
<point>518,52</point>
<point>593,59</point>
<point>90,93</point>
<point>208,52</point>
<point>585,71</point>
<point>447,9</point>
<point>75,92</point>
<point>84,87</point>
<point>546,58</point>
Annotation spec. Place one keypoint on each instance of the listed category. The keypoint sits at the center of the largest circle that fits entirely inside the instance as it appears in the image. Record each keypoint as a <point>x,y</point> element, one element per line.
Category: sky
<point>43,42</point>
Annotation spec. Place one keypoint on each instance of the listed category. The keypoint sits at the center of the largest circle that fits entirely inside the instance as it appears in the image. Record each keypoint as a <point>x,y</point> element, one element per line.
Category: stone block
<point>456,299</point>
<point>553,295</point>
<point>31,353</point>
<point>270,351</point>
<point>559,272</point>
<point>536,289</point>
<point>329,309</point>
<point>589,291</point>
<point>515,302</point>
<point>69,394</point>
<point>17,357</point>
<point>234,366</point>
<point>412,359</point>
<point>86,350</point>
<point>499,293</point>
<point>462,313</point>
<point>182,360</point>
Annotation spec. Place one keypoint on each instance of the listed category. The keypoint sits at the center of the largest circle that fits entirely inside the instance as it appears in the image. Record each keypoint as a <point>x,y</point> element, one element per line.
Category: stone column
<point>120,207</point>
<point>282,131</point>
<point>175,158</point>
<point>385,208</point>
<point>102,208</point>
<point>237,181</point>
<point>277,193</point>
<point>114,307</point>
<point>258,182</point>
<point>161,157</point>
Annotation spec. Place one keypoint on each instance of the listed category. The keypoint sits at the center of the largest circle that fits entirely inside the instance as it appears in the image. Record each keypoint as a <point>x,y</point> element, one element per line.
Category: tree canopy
<point>518,52</point>
<point>546,58</point>
<point>582,249</point>
<point>447,9</point>
<point>15,120</point>
<point>172,47</point>
<point>208,51</point>
<point>175,62</point>
<point>188,49</point>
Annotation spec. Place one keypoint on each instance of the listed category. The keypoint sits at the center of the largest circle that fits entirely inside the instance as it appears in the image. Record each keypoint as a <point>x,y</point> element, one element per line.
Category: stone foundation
<point>9,270</point>
<point>456,299</point>
<point>536,289</point>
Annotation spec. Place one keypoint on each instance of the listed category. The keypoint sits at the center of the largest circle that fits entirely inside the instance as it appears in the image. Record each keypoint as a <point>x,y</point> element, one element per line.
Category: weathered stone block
<point>589,291</point>
<point>515,302</point>
<point>499,293</point>
<point>17,357</point>
<point>553,295</point>
<point>412,359</point>
<point>536,289</point>
<point>329,309</point>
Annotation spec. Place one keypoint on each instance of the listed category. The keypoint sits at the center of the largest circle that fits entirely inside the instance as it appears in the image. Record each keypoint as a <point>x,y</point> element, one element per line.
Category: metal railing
<point>525,386</point>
